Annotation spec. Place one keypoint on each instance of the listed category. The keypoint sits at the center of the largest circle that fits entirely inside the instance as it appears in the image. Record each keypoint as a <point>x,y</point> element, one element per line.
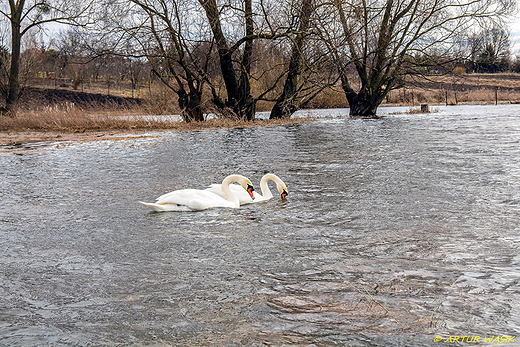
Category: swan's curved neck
<point>226,192</point>
<point>266,192</point>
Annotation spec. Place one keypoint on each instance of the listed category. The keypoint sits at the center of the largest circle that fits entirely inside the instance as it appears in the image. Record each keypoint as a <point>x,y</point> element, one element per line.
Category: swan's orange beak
<point>250,190</point>
<point>284,194</point>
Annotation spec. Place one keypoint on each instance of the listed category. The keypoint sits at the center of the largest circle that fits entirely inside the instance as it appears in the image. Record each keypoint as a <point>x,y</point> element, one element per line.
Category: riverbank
<point>67,115</point>
<point>19,138</point>
<point>23,136</point>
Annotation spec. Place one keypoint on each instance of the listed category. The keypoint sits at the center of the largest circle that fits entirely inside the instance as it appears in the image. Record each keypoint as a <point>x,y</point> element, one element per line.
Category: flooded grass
<point>74,120</point>
<point>70,122</point>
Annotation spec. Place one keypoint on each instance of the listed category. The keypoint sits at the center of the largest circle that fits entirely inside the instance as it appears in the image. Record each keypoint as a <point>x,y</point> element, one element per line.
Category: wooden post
<point>496,96</point>
<point>446,93</point>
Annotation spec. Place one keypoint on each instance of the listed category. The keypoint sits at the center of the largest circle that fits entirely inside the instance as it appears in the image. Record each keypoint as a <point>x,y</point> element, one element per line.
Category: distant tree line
<point>225,56</point>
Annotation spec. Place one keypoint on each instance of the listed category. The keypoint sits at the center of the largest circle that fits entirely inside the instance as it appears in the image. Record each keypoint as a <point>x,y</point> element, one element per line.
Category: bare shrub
<point>71,119</point>
<point>329,99</point>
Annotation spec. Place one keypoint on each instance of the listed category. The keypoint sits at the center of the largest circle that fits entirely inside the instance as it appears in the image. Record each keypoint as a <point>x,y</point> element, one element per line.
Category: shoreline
<point>16,138</point>
<point>10,138</point>
<point>20,138</point>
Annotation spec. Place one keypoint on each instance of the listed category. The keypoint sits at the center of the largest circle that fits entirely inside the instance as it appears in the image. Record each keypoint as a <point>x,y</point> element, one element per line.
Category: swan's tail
<point>155,207</point>
<point>158,207</point>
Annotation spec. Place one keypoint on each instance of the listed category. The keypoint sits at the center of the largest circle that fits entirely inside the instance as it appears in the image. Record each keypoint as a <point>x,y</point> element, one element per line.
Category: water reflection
<point>395,231</point>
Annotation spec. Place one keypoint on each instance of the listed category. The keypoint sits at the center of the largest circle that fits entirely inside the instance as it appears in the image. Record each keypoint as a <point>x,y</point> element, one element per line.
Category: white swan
<point>196,199</point>
<point>266,192</point>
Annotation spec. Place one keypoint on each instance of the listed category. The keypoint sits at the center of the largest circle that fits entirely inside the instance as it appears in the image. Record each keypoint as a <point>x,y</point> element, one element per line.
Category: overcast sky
<point>515,37</point>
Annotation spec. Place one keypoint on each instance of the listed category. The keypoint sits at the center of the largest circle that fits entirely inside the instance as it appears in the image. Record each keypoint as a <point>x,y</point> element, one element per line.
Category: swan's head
<point>242,180</point>
<point>250,190</point>
<point>283,191</point>
<point>248,186</point>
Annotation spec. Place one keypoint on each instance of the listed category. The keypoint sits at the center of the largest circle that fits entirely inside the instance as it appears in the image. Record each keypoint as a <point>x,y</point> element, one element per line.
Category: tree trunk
<point>224,53</point>
<point>190,107</point>
<point>190,103</point>
<point>363,104</point>
<point>362,107</point>
<point>286,104</point>
<point>13,92</point>
<point>283,109</point>
<point>246,103</point>
<point>239,99</point>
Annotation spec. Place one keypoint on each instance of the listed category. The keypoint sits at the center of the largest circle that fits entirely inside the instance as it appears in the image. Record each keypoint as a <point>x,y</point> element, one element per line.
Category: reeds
<point>68,118</point>
<point>47,110</point>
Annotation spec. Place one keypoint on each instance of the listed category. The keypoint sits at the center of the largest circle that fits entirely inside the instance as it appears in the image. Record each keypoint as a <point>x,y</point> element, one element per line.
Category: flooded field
<point>403,231</point>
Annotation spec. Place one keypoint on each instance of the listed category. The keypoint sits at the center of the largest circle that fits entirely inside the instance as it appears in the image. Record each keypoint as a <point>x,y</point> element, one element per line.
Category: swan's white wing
<point>217,188</point>
<point>175,193</point>
<point>258,198</point>
<point>177,196</point>
<point>188,200</point>
<point>193,199</point>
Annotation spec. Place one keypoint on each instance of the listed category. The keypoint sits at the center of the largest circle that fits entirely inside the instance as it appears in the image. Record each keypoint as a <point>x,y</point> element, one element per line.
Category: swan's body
<point>196,199</point>
<point>246,199</point>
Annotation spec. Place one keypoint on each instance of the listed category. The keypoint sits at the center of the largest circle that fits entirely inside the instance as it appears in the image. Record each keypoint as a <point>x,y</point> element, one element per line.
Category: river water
<point>398,231</point>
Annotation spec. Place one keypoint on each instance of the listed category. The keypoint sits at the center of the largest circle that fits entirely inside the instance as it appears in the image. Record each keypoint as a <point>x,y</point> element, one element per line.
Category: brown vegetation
<point>62,112</point>
<point>59,115</point>
<point>459,89</point>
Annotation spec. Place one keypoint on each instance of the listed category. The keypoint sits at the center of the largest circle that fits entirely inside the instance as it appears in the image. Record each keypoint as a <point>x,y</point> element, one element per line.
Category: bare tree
<point>24,15</point>
<point>380,37</point>
<point>278,23</point>
<point>238,85</point>
<point>183,40</point>
<point>136,71</point>
<point>169,35</point>
<point>489,50</point>
<point>74,56</point>
<point>285,106</point>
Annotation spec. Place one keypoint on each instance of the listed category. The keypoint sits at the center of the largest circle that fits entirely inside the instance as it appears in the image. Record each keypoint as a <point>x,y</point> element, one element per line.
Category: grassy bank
<point>68,122</point>
<point>460,89</point>
<point>64,110</point>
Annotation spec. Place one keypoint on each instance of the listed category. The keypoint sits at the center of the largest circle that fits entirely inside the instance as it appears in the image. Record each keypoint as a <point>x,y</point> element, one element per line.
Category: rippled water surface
<point>396,231</point>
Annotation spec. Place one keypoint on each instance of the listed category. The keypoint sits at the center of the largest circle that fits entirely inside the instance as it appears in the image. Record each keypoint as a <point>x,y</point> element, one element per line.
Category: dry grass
<point>459,89</point>
<point>65,111</point>
<point>417,110</point>
<point>499,80</point>
<point>71,119</point>
<point>482,96</point>
<point>68,118</point>
<point>61,110</point>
